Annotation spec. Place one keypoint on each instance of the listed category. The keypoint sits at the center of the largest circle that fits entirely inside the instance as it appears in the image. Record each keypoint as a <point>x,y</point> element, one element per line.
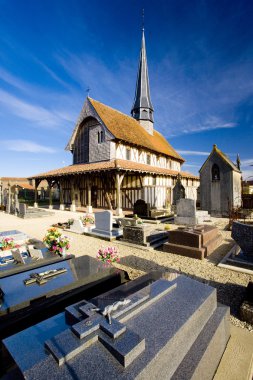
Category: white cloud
<point>247,162</point>
<point>192,153</point>
<point>35,114</point>
<point>26,146</point>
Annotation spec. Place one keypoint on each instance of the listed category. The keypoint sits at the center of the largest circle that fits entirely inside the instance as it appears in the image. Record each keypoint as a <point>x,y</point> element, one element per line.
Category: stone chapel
<point>118,159</point>
<point>220,184</point>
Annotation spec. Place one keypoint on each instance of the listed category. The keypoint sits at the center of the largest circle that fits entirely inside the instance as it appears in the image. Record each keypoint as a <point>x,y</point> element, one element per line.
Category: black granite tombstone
<point>141,208</point>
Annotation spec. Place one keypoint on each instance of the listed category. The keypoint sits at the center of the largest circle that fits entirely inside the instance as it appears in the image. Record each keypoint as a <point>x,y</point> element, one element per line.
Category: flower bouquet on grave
<point>56,242</point>
<point>87,219</point>
<point>108,255</point>
<point>7,243</point>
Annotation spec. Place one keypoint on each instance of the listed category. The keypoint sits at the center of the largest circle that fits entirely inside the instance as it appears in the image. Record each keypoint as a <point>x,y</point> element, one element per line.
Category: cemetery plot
<point>160,326</point>
<point>196,242</point>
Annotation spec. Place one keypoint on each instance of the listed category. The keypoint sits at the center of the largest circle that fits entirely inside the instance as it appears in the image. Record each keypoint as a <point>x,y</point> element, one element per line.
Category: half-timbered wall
<point>155,190</point>
<point>143,156</point>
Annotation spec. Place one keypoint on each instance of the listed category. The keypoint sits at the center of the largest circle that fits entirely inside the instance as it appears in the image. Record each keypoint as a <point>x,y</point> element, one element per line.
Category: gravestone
<point>187,213</point>
<point>198,242</point>
<point>155,327</point>
<point>178,191</point>
<point>77,227</point>
<point>17,236</point>
<point>141,208</point>
<point>144,234</point>
<point>104,226</point>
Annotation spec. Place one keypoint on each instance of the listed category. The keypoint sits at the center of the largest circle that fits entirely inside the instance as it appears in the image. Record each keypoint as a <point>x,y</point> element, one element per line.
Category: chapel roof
<point>127,129</point>
<point>223,156</point>
<point>123,165</point>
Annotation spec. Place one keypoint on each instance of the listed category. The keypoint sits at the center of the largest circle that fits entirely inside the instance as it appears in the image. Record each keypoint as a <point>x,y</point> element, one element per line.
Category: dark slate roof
<point>142,108</point>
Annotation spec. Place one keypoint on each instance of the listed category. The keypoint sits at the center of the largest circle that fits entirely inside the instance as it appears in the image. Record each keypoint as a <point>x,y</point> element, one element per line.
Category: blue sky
<point>200,58</point>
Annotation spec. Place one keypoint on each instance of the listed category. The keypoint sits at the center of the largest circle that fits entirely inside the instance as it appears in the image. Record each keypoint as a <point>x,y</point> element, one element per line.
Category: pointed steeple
<point>142,109</point>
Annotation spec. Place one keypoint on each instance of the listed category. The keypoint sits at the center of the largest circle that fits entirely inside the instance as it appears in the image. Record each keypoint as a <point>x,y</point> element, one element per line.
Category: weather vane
<point>143,19</point>
<point>88,91</point>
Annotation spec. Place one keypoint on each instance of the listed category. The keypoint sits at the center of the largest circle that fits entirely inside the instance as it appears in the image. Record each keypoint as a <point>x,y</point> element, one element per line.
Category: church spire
<point>142,109</point>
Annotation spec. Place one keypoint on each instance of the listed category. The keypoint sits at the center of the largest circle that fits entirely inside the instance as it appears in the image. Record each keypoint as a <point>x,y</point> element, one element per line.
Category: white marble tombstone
<point>77,226</point>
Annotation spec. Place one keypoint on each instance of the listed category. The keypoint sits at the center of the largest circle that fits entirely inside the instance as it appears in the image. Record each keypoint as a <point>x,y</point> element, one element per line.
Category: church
<point>118,159</point>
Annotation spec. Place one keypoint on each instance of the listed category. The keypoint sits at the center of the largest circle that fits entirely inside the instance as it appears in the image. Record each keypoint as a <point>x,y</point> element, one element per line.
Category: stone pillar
<point>73,203</point>
<point>36,194</point>
<point>119,179</point>
<point>50,197</point>
<point>62,205</point>
<point>89,206</point>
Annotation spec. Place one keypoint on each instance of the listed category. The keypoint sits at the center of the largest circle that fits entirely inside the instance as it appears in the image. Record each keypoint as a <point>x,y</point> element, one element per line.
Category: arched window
<point>215,173</point>
<point>100,137</point>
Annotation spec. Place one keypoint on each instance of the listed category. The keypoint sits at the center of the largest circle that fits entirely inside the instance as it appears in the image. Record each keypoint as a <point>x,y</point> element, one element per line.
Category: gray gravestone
<point>186,212</point>
<point>104,226</point>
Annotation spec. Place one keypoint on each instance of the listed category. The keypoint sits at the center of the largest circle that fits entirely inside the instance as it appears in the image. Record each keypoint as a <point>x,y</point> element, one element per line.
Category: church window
<point>128,154</point>
<point>148,159</point>
<point>81,148</point>
<point>100,137</point>
<point>215,173</point>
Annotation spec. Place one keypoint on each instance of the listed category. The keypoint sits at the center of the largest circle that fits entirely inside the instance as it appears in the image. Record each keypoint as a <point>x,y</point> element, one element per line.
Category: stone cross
<point>102,322</point>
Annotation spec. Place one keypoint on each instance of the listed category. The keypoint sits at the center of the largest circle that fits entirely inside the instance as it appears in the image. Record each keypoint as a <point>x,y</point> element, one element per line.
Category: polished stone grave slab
<point>80,275</point>
<point>162,326</point>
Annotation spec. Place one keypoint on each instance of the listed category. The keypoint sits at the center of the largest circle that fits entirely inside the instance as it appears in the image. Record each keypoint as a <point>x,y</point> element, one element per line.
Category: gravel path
<point>230,285</point>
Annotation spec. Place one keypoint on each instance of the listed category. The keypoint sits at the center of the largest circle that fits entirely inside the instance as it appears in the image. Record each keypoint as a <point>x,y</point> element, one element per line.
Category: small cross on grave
<point>102,323</point>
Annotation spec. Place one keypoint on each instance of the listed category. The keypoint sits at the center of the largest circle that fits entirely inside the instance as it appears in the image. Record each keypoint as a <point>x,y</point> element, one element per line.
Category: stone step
<point>208,347</point>
<point>158,243</point>
<point>158,235</point>
<point>184,250</point>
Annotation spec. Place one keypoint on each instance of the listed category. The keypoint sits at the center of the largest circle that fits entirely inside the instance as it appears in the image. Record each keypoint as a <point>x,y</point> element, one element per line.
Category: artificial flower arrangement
<point>108,255</point>
<point>8,243</point>
<point>56,242</point>
<point>87,219</point>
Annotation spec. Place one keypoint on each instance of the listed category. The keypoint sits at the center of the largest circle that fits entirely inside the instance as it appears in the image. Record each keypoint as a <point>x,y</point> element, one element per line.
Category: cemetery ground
<point>230,284</point>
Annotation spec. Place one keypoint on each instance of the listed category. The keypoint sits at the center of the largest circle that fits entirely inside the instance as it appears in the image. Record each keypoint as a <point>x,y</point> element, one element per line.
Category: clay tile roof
<point>25,186</point>
<point>112,165</point>
<point>126,128</point>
